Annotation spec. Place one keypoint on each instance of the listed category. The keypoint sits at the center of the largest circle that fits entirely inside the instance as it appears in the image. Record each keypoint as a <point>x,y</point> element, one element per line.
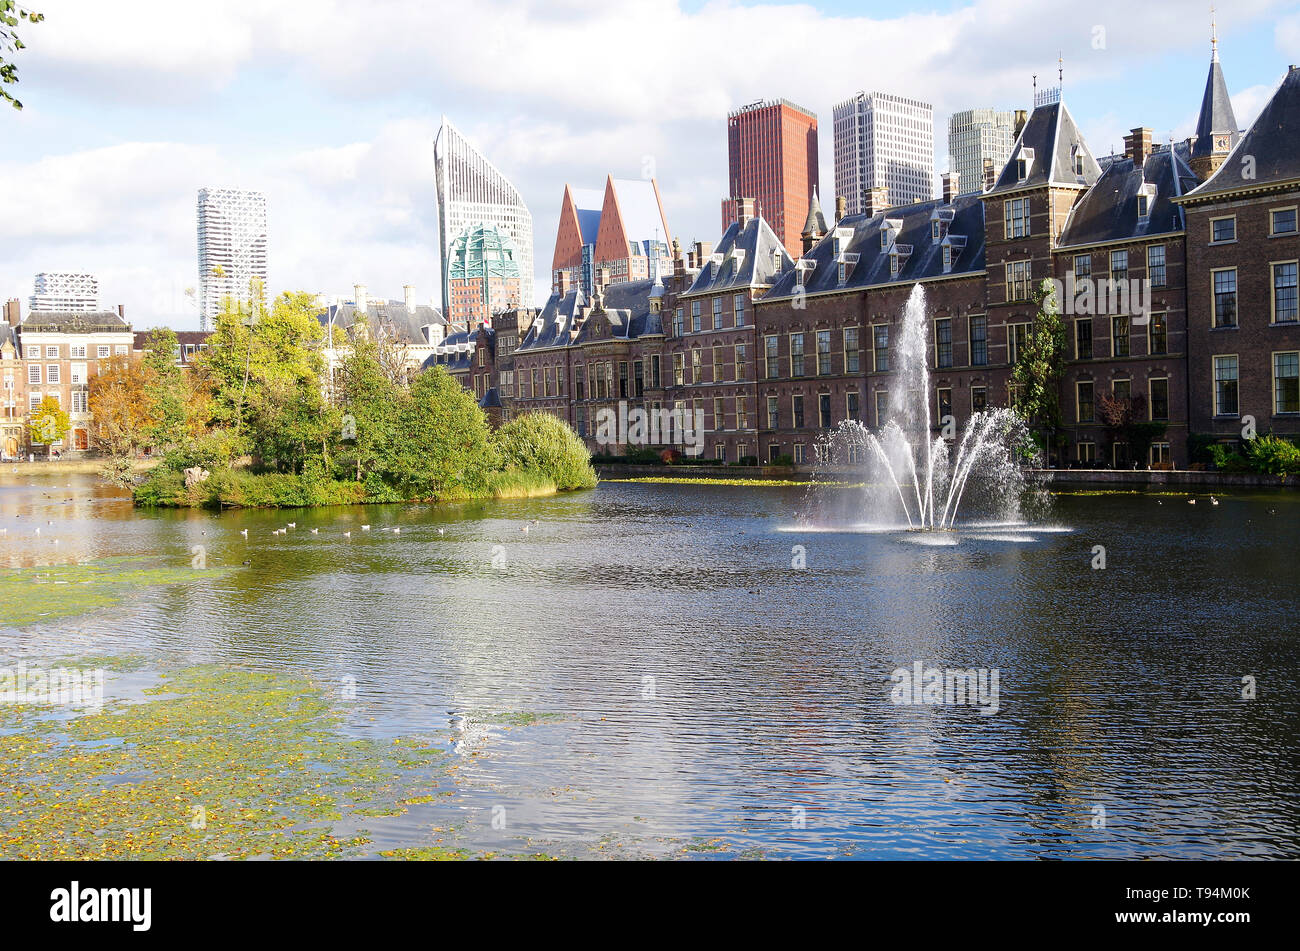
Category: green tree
<point>1039,368</point>
<point>371,406</point>
<point>546,445</point>
<point>11,15</point>
<point>169,391</point>
<point>441,443</point>
<point>49,423</point>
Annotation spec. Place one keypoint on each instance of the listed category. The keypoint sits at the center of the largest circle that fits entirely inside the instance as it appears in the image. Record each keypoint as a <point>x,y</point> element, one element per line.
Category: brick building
<point>772,158</point>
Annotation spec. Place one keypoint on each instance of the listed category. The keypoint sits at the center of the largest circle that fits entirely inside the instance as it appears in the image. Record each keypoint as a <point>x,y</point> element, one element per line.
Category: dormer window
<point>776,262</point>
<point>843,273</point>
<point>1145,199</point>
<point>1022,169</point>
<point>1077,154</point>
<point>893,264</point>
<point>947,258</point>
<point>1143,209</point>
<point>846,263</point>
<point>936,230</point>
<point>884,239</point>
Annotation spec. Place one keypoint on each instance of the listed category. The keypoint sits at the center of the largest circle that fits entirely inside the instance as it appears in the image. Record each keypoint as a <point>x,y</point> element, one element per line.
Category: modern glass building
<point>483,276</point>
<point>471,191</point>
<point>232,246</point>
<point>884,141</point>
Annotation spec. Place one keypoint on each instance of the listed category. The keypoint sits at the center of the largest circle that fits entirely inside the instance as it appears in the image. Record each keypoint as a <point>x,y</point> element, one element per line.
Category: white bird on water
<point>244,533</point>
<point>1191,501</point>
<point>365,528</point>
<point>397,531</point>
<point>315,531</point>
<point>441,530</point>
<point>347,534</point>
<point>293,524</point>
<point>1213,500</point>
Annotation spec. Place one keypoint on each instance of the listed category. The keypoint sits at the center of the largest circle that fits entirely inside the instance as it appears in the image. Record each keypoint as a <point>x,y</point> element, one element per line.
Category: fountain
<point>911,473</point>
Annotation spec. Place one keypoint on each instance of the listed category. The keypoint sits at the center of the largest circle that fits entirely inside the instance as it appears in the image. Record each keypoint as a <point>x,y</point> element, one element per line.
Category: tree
<point>441,441</point>
<point>1039,368</point>
<point>49,423</point>
<point>1124,418</point>
<point>11,14</point>
<point>371,404</point>
<point>171,410</point>
<point>121,406</point>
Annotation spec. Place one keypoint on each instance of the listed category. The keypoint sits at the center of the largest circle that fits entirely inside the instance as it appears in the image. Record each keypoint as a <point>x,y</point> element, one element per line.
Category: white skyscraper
<point>65,291</point>
<point>472,192</point>
<point>973,136</point>
<point>232,246</point>
<point>884,141</point>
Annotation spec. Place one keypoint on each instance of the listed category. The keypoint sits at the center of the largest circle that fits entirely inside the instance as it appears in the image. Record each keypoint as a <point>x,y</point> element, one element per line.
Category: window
<point>1083,339</point>
<point>947,258</point>
<point>120,349</point>
<point>1017,337</point>
<point>78,353</point>
<point>1156,265</point>
<point>579,382</point>
<point>1286,382</point>
<point>52,373</point>
<point>720,452</point>
<point>78,373</point>
<point>943,342</point>
<point>33,353</point>
<point>79,401</point>
<point>1158,402</point>
<point>717,363</point>
<point>851,408</point>
<point>549,376</point>
<point>679,325</point>
<point>740,361</point>
<point>742,414</point>
<point>1158,334</point>
<point>852,357</point>
<point>880,345</point>
<point>1015,218</point>
<point>697,365</point>
<point>655,378</point>
<point>1284,293</point>
<point>738,306</point>
<point>943,402</point>
<point>623,391</point>
<point>1160,455</point>
<point>1082,267</point>
<point>824,410</point>
<point>1085,412</point>
<point>823,352</point>
<point>1087,451</point>
<point>1144,205</point>
<point>33,373</point>
<point>1119,265</point>
<point>772,358</point>
<point>773,413</point>
<point>717,313</point>
<point>51,353</point>
<point>882,406</point>
<point>1119,336</point>
<point>842,274</point>
<point>796,355</point>
<point>1225,297</point>
<point>1019,279</point>
<point>679,369</point>
<point>979,399</point>
<point>979,341</point>
<point>798,453</point>
<point>1225,385</point>
<point>34,401</point>
<point>1223,229</point>
<point>638,378</point>
<point>797,407</point>
<point>1283,221</point>
<point>1121,390</point>
<point>695,316</point>
<point>1022,169</point>
<point>719,414</point>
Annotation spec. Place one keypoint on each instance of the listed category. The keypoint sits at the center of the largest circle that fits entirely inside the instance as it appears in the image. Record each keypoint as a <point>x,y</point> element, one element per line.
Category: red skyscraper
<point>772,154</point>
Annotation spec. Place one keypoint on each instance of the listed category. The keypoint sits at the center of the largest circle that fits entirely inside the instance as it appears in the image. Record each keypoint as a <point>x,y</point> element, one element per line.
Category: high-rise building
<point>883,141</point>
<point>975,135</point>
<point>772,158</point>
<point>623,231</point>
<point>470,192</point>
<point>232,247</point>
<point>483,276</point>
<point>67,292</point>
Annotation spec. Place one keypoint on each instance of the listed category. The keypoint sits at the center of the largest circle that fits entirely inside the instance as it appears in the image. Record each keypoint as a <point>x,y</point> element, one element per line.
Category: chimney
<point>702,251</point>
<point>1137,146</point>
<point>679,261</point>
<point>744,210</point>
<point>950,186</point>
<point>990,173</point>
<point>877,200</point>
<point>563,281</point>
<point>13,315</point>
<point>1022,116</point>
<point>602,277</point>
<point>841,208</point>
<point>121,311</point>
<point>359,297</point>
<point>408,292</point>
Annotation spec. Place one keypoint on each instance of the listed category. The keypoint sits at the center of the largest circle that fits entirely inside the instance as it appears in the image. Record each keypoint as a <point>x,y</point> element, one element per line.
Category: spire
<point>1214,37</point>
<point>1216,127</point>
<point>816,221</point>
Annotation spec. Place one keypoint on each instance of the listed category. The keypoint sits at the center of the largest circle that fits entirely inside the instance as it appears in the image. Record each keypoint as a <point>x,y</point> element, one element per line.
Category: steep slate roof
<point>759,242</point>
<point>54,321</point>
<point>627,308</point>
<point>872,267</point>
<point>1053,136</point>
<point>1273,142</point>
<point>815,223</point>
<point>551,327</point>
<point>1216,112</point>
<point>453,353</point>
<point>1108,211</point>
<point>409,325</point>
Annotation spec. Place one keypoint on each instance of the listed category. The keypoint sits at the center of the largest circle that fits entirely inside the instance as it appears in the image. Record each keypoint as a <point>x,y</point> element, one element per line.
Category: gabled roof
<point>861,239</point>
<point>758,244</point>
<point>1108,212</point>
<point>1216,112</point>
<point>627,311</point>
<point>455,353</point>
<point>552,326</point>
<point>1049,141</point>
<point>408,324</point>
<point>631,212</point>
<point>1273,143</point>
<point>55,321</point>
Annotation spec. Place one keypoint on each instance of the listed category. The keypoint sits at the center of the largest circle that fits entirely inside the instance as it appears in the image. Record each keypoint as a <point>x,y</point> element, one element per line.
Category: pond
<point>682,671</point>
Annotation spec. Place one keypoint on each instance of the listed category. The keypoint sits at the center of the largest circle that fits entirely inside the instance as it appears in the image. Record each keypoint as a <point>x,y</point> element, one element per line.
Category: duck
<point>365,528</point>
<point>1191,501</point>
<point>347,534</point>
<point>397,531</point>
<point>441,531</point>
<point>315,531</point>
<point>244,533</point>
<point>1213,500</point>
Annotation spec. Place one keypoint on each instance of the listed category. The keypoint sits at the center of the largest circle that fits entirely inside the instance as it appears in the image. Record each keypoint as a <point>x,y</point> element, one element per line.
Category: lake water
<point>708,695</point>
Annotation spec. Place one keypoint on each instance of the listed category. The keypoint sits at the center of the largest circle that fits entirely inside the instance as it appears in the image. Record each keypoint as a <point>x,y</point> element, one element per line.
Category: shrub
<point>162,486</point>
<point>1226,458</point>
<point>545,445</point>
<point>1273,455</point>
<point>783,461</point>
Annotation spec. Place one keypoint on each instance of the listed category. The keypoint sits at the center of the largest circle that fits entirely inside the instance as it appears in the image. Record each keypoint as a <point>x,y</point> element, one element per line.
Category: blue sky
<point>332,111</point>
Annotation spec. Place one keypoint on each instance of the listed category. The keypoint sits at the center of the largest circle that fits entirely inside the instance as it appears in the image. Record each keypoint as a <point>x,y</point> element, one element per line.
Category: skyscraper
<point>975,135</point>
<point>232,246</point>
<point>884,141</point>
<point>483,276</point>
<point>772,158</point>
<point>65,291</point>
<point>471,191</point>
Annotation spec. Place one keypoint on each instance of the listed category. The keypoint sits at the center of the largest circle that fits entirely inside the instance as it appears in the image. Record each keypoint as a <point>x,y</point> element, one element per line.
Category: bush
<point>747,461</point>
<point>545,446</point>
<point>1273,455</point>
<point>1227,458</point>
<point>161,487</point>
<point>783,461</point>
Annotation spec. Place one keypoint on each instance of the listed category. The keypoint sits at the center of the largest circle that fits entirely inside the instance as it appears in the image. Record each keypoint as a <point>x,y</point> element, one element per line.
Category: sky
<point>331,108</point>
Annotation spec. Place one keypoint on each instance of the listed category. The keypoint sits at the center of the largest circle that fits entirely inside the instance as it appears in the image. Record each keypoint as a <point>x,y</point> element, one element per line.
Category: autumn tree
<point>48,424</point>
<point>121,407</point>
